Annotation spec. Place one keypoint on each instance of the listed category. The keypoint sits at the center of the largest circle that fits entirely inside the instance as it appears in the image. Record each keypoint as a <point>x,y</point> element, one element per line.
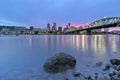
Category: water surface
<point>22,57</point>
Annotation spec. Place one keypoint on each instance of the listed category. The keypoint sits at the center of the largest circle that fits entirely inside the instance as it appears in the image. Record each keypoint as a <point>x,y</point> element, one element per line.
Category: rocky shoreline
<point>63,62</point>
<point>110,71</point>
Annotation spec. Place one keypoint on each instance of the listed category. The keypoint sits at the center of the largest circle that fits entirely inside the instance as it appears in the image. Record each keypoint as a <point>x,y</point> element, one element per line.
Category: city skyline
<point>40,12</point>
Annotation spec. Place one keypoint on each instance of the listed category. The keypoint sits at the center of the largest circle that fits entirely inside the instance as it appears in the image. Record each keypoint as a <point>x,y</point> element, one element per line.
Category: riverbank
<point>59,64</point>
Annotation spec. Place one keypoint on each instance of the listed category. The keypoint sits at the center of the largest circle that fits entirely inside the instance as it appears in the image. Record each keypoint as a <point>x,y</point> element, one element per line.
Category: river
<point>22,57</point>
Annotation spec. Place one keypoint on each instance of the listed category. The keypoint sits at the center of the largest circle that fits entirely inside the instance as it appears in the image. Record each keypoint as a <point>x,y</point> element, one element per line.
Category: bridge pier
<point>89,32</point>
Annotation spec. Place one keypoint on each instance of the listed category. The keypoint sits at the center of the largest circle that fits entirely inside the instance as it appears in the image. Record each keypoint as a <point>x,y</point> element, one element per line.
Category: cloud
<point>40,12</point>
<point>10,23</point>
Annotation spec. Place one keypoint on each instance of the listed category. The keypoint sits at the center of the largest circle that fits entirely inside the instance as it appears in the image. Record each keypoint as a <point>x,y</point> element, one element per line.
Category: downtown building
<point>48,27</point>
<point>54,27</point>
<point>60,29</point>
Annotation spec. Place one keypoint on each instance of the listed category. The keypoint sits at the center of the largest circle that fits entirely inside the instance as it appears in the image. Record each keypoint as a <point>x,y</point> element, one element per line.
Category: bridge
<point>102,23</point>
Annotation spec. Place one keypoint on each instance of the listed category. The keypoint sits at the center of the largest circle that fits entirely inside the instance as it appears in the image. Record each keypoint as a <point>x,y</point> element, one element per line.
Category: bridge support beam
<point>89,32</point>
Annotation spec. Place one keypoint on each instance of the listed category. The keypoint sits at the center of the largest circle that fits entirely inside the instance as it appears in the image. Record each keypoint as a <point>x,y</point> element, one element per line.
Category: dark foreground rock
<point>59,63</point>
<point>115,75</point>
<point>107,67</point>
<point>115,61</point>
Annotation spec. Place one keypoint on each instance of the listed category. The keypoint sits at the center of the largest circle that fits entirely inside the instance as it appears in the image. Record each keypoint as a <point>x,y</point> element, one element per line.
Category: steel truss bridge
<point>102,23</point>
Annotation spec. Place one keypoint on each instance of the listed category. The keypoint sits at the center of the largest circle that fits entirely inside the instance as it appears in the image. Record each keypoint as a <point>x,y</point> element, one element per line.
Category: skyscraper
<point>48,27</point>
<point>60,29</point>
<point>54,27</point>
<point>69,25</point>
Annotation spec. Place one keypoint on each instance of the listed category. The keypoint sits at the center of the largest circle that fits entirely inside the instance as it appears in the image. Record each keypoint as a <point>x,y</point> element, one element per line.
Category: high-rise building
<point>69,24</point>
<point>48,27</point>
<point>65,29</point>
<point>31,28</point>
<point>60,29</point>
<point>54,27</point>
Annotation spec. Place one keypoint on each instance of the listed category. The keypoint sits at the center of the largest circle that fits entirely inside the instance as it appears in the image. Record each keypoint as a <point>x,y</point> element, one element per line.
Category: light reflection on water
<point>98,43</point>
<point>21,54</point>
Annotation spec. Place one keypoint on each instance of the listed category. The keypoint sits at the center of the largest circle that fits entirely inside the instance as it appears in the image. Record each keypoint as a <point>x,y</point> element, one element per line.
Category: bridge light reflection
<point>98,45</point>
<point>30,41</point>
<point>84,42</point>
<point>114,44</point>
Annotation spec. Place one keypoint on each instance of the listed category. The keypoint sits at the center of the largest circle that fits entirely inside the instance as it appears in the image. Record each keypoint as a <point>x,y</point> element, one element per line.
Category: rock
<point>66,78</point>
<point>76,74</point>
<point>89,78</point>
<point>119,76</point>
<point>59,63</point>
<point>96,76</point>
<point>115,61</point>
<point>107,67</point>
<point>99,64</point>
<point>115,75</point>
<point>112,73</point>
<point>96,73</point>
<point>118,68</point>
<point>114,67</point>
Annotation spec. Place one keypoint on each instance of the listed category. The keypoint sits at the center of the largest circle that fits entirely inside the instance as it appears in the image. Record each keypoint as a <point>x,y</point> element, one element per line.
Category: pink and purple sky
<point>40,12</point>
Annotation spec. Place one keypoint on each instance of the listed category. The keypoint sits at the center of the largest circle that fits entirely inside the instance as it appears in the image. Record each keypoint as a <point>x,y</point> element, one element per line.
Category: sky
<point>40,12</point>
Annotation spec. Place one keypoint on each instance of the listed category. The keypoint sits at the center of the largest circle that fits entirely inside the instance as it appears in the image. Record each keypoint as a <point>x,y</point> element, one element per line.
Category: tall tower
<point>69,24</point>
<point>48,27</point>
<point>54,27</point>
<point>60,29</point>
